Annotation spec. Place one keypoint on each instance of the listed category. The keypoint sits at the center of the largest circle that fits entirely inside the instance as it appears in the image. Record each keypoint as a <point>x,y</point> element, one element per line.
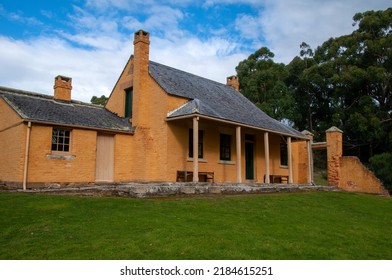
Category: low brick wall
<point>142,190</point>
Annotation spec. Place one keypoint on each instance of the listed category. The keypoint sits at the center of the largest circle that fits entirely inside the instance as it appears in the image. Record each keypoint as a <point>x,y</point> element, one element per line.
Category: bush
<point>382,167</point>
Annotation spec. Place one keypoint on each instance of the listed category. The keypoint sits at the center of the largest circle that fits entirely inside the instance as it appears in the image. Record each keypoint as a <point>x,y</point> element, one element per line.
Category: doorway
<point>104,167</point>
<point>249,157</point>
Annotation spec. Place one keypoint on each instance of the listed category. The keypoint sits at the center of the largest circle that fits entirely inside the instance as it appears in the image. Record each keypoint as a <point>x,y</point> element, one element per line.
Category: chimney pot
<point>62,88</point>
<point>232,81</point>
<point>141,36</point>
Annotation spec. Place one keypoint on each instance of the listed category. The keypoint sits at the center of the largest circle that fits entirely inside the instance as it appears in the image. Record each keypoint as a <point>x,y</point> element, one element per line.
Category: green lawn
<point>315,225</point>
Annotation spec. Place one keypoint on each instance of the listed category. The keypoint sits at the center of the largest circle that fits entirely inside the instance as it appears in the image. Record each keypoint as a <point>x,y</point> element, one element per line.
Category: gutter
<point>26,161</point>
<point>131,131</point>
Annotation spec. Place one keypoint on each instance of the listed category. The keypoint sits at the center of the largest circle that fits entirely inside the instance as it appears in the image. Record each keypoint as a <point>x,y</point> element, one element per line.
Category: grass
<point>316,225</point>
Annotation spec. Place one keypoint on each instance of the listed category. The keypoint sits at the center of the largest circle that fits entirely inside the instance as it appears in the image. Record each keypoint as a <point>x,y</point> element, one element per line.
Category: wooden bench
<point>187,176</point>
<point>278,179</point>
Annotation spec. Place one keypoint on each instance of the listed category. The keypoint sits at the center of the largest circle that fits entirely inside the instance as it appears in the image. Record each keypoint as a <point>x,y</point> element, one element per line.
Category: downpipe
<point>26,161</point>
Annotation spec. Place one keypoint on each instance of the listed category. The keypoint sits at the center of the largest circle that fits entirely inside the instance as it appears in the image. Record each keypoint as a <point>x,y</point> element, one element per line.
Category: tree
<point>99,100</point>
<point>360,80</point>
<point>298,82</point>
<point>345,82</point>
<point>381,165</point>
<point>262,81</point>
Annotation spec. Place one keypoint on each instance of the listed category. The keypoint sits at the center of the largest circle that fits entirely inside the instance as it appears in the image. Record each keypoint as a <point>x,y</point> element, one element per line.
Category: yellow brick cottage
<point>159,124</point>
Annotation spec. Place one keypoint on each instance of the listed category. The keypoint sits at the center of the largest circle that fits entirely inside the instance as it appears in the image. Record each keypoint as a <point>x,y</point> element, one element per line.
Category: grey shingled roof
<point>214,99</point>
<point>42,108</point>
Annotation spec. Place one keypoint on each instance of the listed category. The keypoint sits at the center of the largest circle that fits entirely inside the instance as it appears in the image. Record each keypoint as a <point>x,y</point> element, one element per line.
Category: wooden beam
<point>234,123</point>
<point>289,160</point>
<point>238,154</point>
<point>266,154</point>
<point>195,149</point>
<point>310,161</point>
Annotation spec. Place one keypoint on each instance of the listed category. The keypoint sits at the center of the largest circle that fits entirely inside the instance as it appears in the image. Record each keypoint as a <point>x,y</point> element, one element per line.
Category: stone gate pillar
<point>334,153</point>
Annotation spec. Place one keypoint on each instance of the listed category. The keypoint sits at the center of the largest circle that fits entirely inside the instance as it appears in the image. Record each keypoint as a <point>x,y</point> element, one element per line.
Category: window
<point>61,139</point>
<point>128,102</point>
<point>200,147</point>
<point>283,154</point>
<point>225,147</point>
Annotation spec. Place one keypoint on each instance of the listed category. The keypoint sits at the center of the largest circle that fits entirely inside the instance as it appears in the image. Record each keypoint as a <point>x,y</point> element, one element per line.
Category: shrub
<point>382,167</point>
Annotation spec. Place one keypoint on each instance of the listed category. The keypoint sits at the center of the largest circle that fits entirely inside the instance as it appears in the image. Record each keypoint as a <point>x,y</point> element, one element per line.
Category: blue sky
<point>91,40</point>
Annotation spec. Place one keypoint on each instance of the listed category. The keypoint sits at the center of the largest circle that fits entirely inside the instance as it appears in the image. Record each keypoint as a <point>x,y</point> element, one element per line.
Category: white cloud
<point>209,3</point>
<point>249,26</point>
<point>106,4</point>
<point>286,24</point>
<point>214,59</point>
<point>19,17</point>
<point>32,66</point>
<point>281,25</point>
<point>96,41</point>
<point>132,23</point>
<point>164,18</point>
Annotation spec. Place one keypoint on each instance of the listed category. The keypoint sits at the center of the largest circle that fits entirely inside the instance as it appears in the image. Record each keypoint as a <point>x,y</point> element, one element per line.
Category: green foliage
<point>262,81</point>
<point>382,167</point>
<point>99,100</point>
<point>315,225</point>
<point>345,82</point>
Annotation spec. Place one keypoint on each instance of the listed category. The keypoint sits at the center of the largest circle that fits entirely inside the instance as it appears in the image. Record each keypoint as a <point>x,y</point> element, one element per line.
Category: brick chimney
<point>233,82</point>
<point>62,88</point>
<point>141,44</point>
<point>141,79</point>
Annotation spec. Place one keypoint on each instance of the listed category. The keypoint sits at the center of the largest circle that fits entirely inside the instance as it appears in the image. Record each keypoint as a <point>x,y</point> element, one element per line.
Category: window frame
<point>201,144</point>
<point>128,108</point>
<point>61,140</point>
<point>284,157</point>
<point>225,147</point>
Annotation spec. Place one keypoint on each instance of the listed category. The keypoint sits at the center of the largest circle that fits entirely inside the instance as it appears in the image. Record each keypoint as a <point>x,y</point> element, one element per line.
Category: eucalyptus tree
<point>263,82</point>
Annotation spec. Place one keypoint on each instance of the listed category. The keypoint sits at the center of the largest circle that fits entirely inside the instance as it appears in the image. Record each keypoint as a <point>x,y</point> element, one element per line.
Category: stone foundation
<point>145,190</point>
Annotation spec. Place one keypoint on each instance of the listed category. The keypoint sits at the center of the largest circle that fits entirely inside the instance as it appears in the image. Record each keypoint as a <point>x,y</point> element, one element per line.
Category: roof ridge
<point>188,73</point>
<point>47,97</point>
<point>24,92</point>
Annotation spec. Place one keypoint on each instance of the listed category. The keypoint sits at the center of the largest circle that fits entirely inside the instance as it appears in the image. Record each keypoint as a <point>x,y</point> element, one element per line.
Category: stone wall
<point>12,136</point>
<point>355,177</point>
<point>334,153</point>
<point>348,173</point>
<point>145,190</point>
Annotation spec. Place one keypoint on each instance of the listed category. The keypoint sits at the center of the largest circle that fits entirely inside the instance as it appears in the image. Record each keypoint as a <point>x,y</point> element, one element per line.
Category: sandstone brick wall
<point>334,153</point>
<point>355,177</point>
<point>348,173</point>
<point>275,166</point>
<point>116,101</point>
<point>300,162</point>
<point>76,166</point>
<point>12,136</point>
